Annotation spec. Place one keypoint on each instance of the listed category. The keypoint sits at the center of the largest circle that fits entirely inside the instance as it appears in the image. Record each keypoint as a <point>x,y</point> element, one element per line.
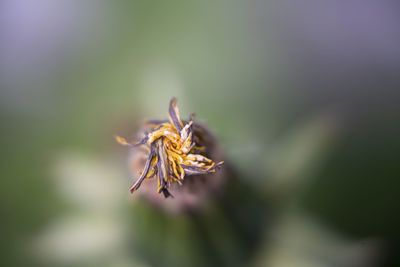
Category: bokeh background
<point>302,95</point>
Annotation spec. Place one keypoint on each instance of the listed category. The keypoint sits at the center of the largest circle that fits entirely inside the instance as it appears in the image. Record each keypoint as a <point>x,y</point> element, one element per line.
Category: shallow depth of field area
<point>302,97</point>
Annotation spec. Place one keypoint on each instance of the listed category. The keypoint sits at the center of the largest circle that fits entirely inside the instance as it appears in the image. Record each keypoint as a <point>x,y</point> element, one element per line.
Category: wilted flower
<point>176,149</point>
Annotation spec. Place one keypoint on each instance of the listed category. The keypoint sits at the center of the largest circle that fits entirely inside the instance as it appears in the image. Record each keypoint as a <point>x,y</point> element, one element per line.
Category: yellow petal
<point>121,140</point>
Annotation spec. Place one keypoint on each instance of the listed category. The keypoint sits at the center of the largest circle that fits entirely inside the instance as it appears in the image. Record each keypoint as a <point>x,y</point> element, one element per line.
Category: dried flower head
<point>174,152</point>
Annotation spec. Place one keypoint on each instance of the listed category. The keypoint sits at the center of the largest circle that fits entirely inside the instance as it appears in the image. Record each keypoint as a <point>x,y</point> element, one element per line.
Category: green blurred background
<point>303,97</point>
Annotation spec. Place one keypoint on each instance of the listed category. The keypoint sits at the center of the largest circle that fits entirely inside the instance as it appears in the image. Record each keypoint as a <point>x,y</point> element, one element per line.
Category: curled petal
<point>161,165</point>
<point>174,115</point>
<point>151,159</point>
<point>122,141</point>
<point>166,193</point>
<point>197,170</point>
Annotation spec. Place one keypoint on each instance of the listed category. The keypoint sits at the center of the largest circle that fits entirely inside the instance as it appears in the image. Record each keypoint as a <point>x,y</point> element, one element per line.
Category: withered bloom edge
<point>173,152</point>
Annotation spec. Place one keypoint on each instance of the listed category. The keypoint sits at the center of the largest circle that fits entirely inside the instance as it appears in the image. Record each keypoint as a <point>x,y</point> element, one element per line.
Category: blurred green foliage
<point>297,147</point>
